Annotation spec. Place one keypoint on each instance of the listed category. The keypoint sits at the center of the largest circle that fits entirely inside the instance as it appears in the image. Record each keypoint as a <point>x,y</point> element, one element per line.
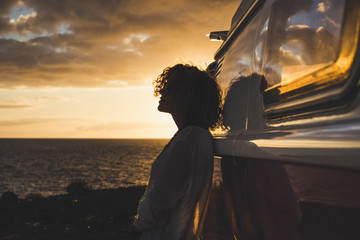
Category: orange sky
<point>84,68</point>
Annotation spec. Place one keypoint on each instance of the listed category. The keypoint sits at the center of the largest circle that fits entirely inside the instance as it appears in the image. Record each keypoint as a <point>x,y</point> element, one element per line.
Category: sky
<point>84,68</point>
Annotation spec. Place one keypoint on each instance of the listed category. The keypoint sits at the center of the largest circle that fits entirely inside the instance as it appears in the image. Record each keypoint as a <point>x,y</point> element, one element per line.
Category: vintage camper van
<point>290,147</point>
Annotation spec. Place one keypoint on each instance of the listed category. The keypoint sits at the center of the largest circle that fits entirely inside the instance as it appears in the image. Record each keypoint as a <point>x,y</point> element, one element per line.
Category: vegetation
<point>83,213</point>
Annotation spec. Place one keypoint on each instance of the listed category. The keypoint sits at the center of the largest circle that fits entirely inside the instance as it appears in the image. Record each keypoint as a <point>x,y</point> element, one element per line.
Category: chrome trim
<point>333,146</point>
<point>242,22</point>
<point>218,67</point>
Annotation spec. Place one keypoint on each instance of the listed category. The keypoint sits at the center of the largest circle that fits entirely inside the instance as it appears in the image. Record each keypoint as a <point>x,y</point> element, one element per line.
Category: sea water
<point>48,166</point>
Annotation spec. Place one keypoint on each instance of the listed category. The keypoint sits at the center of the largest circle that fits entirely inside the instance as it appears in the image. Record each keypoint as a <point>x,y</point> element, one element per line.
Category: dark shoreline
<point>82,214</point>
<point>107,214</point>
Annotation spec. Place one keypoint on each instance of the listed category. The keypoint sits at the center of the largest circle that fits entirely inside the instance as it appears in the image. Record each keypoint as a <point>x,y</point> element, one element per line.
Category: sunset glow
<point>84,69</point>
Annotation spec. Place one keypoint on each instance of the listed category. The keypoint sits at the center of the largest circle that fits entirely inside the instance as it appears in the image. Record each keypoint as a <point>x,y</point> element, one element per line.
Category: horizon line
<point>128,138</point>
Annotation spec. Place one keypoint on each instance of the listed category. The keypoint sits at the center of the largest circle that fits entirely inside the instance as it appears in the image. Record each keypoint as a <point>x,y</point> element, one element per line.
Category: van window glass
<point>237,62</point>
<point>304,37</point>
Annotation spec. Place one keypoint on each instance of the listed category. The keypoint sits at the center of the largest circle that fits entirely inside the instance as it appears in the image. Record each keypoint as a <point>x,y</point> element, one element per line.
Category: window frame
<point>317,89</point>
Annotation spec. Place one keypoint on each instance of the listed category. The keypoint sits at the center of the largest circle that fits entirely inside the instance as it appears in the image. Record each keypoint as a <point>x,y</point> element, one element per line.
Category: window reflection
<point>238,62</point>
<point>303,37</point>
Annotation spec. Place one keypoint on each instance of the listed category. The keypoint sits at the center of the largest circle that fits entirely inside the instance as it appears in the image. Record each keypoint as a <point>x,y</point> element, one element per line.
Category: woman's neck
<point>178,119</point>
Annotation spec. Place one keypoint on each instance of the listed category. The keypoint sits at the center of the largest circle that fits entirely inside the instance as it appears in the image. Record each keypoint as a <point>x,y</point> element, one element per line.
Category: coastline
<point>83,213</point>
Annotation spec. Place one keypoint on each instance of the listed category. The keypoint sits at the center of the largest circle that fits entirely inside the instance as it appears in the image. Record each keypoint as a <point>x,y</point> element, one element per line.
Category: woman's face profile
<point>167,101</point>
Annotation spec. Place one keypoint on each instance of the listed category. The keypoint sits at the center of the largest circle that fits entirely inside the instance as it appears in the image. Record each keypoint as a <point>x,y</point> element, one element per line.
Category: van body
<point>290,146</point>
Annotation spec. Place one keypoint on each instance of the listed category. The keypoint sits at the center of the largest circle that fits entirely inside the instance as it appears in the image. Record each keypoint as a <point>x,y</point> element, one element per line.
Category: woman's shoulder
<point>194,131</point>
<point>195,135</point>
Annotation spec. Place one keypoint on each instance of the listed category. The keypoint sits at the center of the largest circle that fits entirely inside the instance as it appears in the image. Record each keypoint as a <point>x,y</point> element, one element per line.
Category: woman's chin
<point>162,109</point>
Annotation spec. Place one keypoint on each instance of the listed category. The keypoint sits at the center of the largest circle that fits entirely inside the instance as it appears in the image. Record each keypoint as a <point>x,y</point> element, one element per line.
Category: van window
<point>310,46</point>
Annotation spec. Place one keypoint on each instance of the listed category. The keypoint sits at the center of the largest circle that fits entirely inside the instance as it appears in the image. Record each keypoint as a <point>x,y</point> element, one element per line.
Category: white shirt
<point>174,202</point>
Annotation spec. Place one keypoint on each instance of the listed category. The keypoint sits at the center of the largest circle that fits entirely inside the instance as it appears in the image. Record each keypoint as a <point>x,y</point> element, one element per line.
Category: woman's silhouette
<point>174,203</point>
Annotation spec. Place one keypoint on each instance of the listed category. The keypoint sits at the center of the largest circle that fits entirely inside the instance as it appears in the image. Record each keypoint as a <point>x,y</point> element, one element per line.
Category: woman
<point>174,202</point>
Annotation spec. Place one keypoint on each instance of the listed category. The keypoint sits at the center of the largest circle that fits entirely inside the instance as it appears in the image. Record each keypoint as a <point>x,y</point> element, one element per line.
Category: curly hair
<point>198,94</point>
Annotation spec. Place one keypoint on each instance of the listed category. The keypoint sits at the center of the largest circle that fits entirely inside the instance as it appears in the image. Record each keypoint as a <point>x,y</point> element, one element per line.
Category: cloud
<point>21,102</point>
<point>324,6</point>
<point>14,106</point>
<point>48,98</point>
<point>26,121</point>
<point>107,127</point>
<point>23,19</point>
<point>91,43</point>
<point>15,103</point>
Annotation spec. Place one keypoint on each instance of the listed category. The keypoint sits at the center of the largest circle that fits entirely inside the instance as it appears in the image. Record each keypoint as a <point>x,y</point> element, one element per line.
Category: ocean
<point>48,166</point>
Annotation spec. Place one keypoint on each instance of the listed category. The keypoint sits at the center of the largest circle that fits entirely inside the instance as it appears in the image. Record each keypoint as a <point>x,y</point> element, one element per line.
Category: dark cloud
<point>4,11</point>
<point>91,43</point>
<point>6,5</point>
